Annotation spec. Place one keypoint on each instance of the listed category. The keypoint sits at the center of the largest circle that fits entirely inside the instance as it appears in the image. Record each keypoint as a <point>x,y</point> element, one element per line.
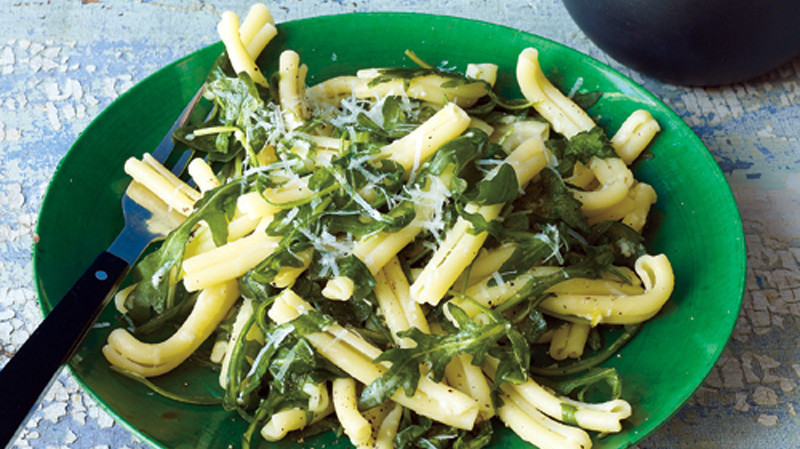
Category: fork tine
<point>164,149</point>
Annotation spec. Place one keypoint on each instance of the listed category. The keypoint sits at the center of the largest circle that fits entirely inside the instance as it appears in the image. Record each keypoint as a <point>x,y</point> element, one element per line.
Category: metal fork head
<point>147,217</point>
<point>143,208</point>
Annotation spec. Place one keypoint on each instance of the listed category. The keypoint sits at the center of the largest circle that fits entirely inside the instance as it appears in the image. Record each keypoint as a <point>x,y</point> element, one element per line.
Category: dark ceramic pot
<point>693,42</point>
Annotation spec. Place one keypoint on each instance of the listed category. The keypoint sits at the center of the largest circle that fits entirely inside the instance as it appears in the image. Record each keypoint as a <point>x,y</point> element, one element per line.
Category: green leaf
<point>255,283</point>
<point>253,289</point>
<point>450,79</point>
<point>157,288</point>
<point>217,209</point>
<point>239,105</point>
<point>435,351</point>
<point>533,326</point>
<point>477,438</point>
<point>626,244</point>
<point>587,99</point>
<point>514,357</point>
<point>581,147</point>
<point>595,261</point>
<point>421,432</point>
<point>174,315</point>
<point>217,146</point>
<point>311,322</point>
<point>288,363</point>
<point>500,186</point>
<point>235,97</point>
<point>396,121</point>
<point>409,432</point>
<point>281,370</point>
<point>293,367</point>
<point>550,201</point>
<point>459,152</point>
<point>584,384</point>
<point>353,268</point>
<point>358,226</point>
<point>273,339</point>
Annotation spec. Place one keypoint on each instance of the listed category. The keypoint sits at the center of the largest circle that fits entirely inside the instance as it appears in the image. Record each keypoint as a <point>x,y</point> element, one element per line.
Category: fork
<point>29,373</point>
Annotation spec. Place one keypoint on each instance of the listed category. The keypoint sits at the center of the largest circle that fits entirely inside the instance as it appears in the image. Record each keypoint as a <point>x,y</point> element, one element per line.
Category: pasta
<point>383,252</point>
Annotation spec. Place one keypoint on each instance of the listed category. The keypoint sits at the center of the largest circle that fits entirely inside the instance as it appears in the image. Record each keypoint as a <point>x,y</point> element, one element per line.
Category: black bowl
<point>693,42</point>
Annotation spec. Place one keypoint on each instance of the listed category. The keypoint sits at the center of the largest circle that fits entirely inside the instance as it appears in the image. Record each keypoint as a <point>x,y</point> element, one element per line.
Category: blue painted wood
<point>62,63</point>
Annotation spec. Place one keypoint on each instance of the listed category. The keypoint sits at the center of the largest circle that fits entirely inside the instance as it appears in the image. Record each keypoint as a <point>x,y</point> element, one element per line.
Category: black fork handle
<point>29,373</point>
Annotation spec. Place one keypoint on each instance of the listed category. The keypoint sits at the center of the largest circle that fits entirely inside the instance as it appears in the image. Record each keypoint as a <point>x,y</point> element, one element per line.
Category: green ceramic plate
<point>698,225</point>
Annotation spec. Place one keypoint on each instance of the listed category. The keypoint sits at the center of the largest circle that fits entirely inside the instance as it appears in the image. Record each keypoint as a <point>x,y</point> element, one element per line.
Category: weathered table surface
<point>61,63</point>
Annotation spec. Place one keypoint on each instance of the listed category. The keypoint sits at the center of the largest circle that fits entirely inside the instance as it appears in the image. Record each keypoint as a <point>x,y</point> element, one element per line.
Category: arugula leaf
<point>451,79</point>
<point>594,376</point>
<point>352,313</point>
<point>292,368</point>
<point>487,108</point>
<point>280,371</point>
<point>221,68</point>
<point>532,326</point>
<point>424,433</point>
<point>273,339</point>
<point>595,261</point>
<point>235,97</point>
<point>238,104</point>
<point>440,436</point>
<point>396,121</point>
<point>477,438</point>
<point>499,187</point>
<point>254,289</point>
<point>238,363</point>
<point>435,351</point>
<point>358,226</point>
<point>366,124</point>
<point>410,432</point>
<point>216,145</point>
<point>353,268</point>
<point>178,313</point>
<point>550,201</point>
<point>457,153</point>
<point>581,147</point>
<point>254,284</point>
<point>157,289</point>
<point>626,244</point>
<point>514,357</point>
<point>177,397</point>
<point>587,99</point>
<point>531,247</point>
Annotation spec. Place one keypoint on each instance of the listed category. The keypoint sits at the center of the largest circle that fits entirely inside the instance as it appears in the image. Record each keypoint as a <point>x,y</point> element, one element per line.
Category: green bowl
<point>697,224</point>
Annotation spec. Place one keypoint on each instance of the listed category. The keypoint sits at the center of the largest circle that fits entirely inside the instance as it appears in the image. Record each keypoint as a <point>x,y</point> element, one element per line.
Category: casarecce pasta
<point>395,249</point>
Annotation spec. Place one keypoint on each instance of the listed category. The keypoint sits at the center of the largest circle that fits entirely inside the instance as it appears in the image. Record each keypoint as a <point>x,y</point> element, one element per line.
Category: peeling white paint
<point>765,396</point>
<point>54,411</point>
<point>767,420</point>
<point>70,437</point>
<point>52,115</point>
<point>7,56</point>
